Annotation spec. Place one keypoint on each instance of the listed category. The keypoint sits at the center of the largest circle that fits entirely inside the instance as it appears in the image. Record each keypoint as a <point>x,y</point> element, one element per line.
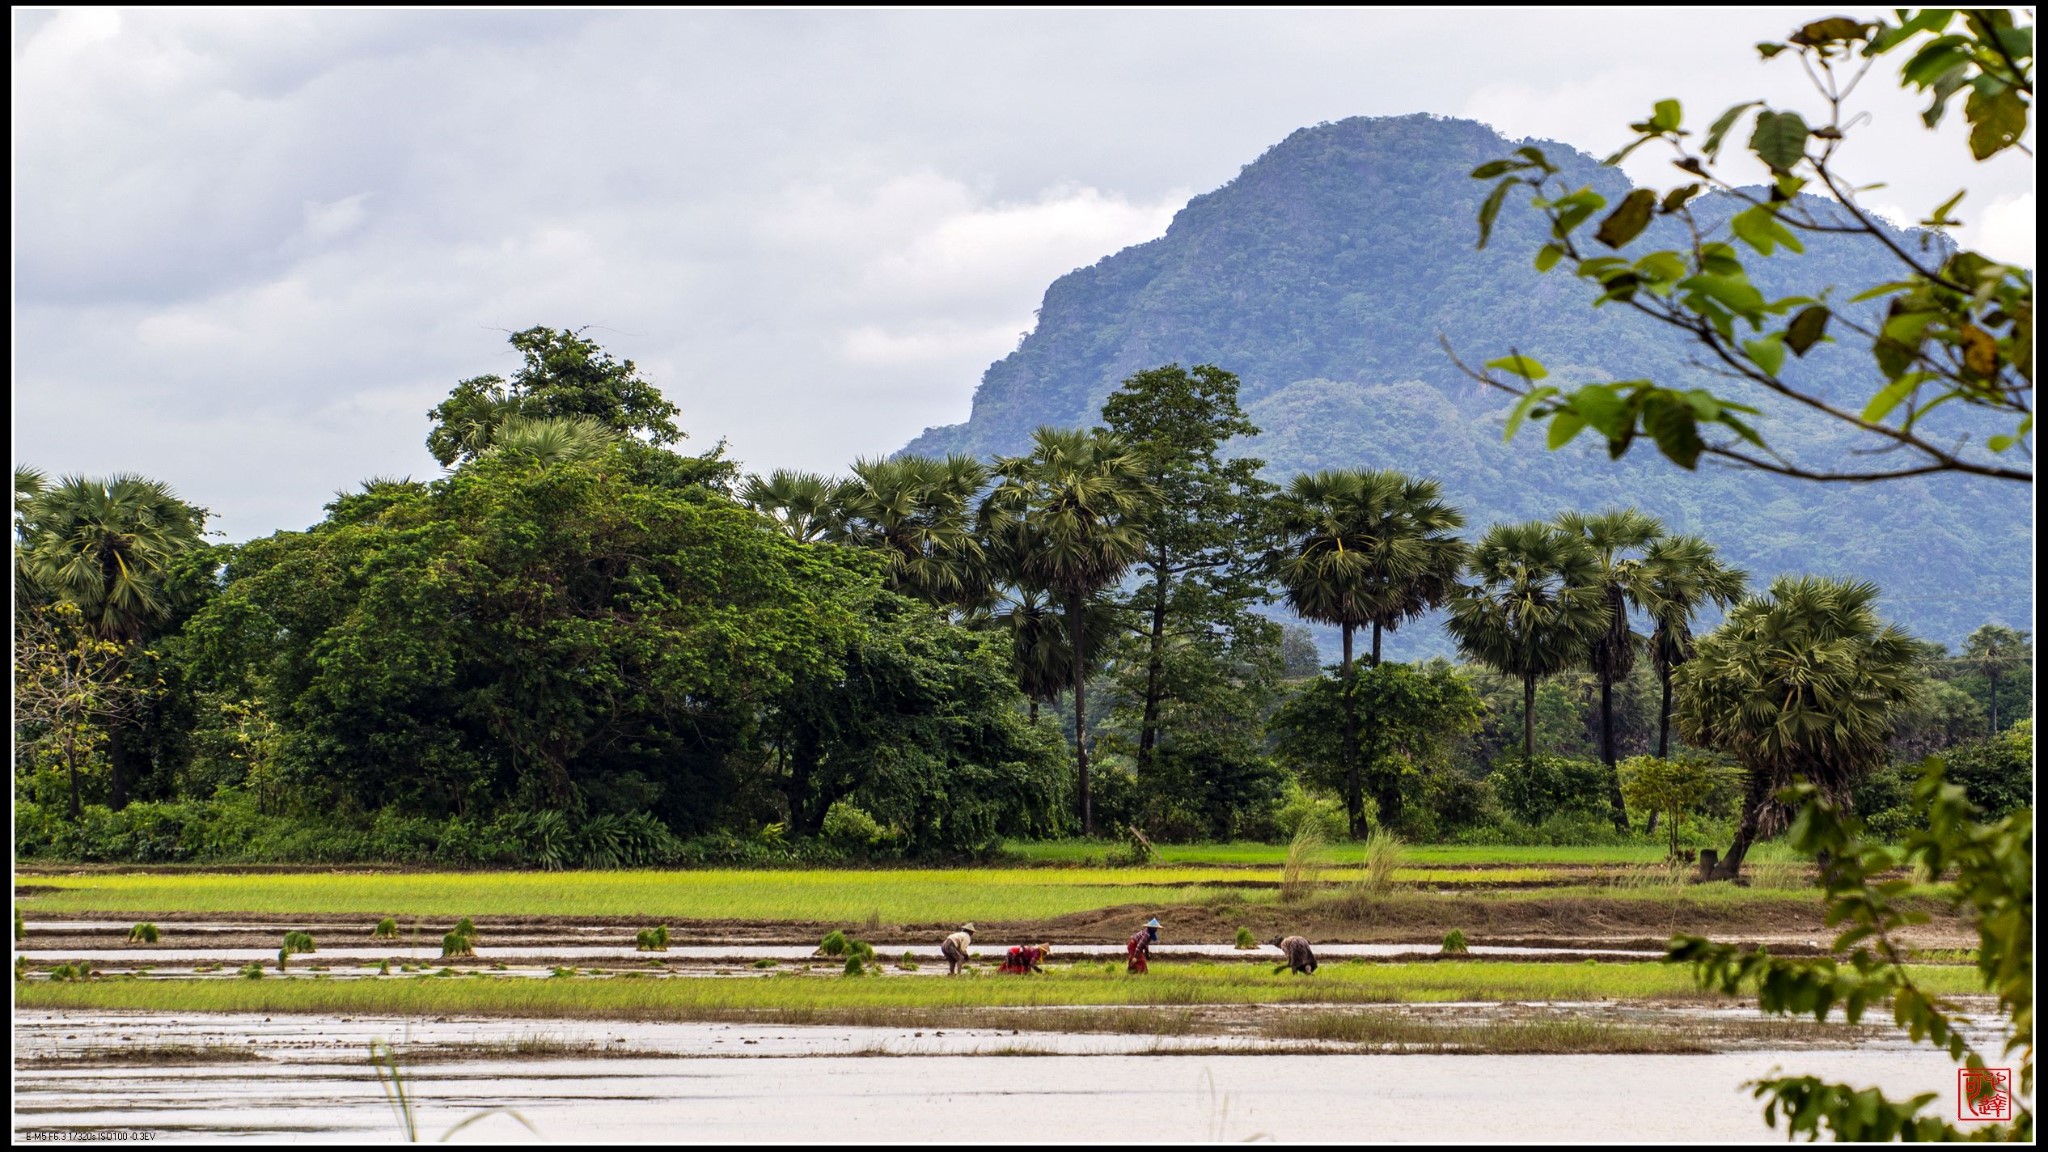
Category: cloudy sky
<point>253,248</point>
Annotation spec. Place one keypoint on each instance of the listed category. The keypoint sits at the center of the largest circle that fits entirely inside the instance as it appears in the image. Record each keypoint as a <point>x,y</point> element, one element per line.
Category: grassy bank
<point>902,896</point>
<point>793,998</point>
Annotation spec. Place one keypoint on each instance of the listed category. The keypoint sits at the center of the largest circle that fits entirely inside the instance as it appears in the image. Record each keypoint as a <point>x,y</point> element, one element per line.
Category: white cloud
<point>2005,231</point>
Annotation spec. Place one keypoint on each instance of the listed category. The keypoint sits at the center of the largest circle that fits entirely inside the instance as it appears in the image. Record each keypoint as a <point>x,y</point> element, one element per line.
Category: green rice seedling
<point>834,944</point>
<point>252,971</point>
<point>383,967</point>
<point>1245,939</point>
<point>652,939</point>
<point>457,944</point>
<point>143,933</point>
<point>1304,867</point>
<point>386,929</point>
<point>296,942</point>
<point>1383,854</point>
<point>560,973</point>
<point>764,963</point>
<point>1776,872</point>
<point>20,929</point>
<point>21,967</point>
<point>1454,943</point>
<point>862,949</point>
<point>498,968</point>
<point>463,927</point>
<point>908,963</point>
<point>855,966</point>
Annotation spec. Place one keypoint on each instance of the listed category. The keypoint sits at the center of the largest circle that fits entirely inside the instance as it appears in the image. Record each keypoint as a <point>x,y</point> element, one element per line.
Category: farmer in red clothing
<point>1026,958</point>
<point>1139,949</point>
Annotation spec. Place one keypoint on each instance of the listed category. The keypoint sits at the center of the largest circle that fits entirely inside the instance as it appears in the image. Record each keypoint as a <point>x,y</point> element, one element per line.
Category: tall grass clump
<point>1245,939</point>
<point>1304,866</point>
<point>1454,943</point>
<point>296,943</point>
<point>653,939</point>
<point>1384,852</point>
<point>143,933</point>
<point>834,944</point>
<point>386,929</point>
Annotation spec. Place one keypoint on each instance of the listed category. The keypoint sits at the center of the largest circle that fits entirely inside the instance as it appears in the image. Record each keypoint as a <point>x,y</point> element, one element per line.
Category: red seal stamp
<point>1983,1093</point>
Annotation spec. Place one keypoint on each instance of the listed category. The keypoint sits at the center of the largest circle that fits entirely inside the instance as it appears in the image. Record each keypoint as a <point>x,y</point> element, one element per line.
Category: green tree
<point>1995,650</point>
<point>111,548</point>
<point>1420,713</point>
<point>917,513</point>
<point>1075,507</point>
<point>1618,540</point>
<point>1370,547</point>
<point>1799,684</point>
<point>1680,575</point>
<point>561,375</point>
<point>1956,326</point>
<point>1533,608</point>
<point>1041,655</point>
<point>70,686</point>
<point>803,504</point>
<point>1675,787</point>
<point>1204,531</point>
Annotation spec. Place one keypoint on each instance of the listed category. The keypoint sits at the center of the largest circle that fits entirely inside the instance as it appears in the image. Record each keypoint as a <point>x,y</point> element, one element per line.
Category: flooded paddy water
<point>309,1079</point>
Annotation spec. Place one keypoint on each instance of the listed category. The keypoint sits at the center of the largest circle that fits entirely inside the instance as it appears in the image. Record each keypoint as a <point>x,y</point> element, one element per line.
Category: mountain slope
<point>1327,272</point>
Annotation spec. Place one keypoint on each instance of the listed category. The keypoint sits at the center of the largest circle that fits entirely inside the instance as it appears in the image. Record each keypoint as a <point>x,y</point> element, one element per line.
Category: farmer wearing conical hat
<point>954,948</point>
<point>1139,949</point>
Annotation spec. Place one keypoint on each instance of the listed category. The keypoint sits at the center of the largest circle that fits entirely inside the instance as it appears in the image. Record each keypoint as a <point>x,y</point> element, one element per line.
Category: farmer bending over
<point>1139,949</point>
<point>1026,958</point>
<point>954,948</point>
<point>1299,957</point>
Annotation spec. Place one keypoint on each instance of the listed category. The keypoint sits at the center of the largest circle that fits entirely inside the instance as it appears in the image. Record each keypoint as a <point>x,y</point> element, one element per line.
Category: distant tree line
<point>581,646</point>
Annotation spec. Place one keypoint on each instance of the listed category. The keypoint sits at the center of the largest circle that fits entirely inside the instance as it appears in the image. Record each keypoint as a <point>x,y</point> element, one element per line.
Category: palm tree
<point>107,547</point>
<point>916,512</point>
<point>1995,650</point>
<point>1679,576</point>
<point>1041,652</point>
<point>1801,682</point>
<point>546,440</point>
<point>1366,547</point>
<point>803,504</point>
<point>1071,510</point>
<point>1616,538</point>
<point>1534,609</point>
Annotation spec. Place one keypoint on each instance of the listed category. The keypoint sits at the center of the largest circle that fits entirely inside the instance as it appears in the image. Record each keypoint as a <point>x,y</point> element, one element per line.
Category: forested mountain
<point>1324,276</point>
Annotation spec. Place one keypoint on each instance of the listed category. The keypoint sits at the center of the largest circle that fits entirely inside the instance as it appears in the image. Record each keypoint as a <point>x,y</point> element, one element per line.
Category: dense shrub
<point>1533,791</point>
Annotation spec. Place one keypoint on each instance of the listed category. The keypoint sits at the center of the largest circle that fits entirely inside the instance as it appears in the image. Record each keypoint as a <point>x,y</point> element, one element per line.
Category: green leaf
<point>1677,198</point>
<point>1563,426</point>
<point>1667,115</point>
<point>1832,30</point>
<point>1628,219</point>
<point>1521,410</point>
<point>1671,421</point>
<point>1528,368</point>
<point>1936,59</point>
<point>1661,267</point>
<point>2001,442</point>
<point>1601,407</point>
<point>1767,49</point>
<point>1719,259</point>
<point>1760,228</point>
<point>1890,396</point>
<point>1940,219</point>
<point>1996,121</point>
<point>1547,257</point>
<point>1492,168</point>
<point>1882,290</point>
<point>1768,352</point>
<point>1491,208</point>
<point>1735,292</point>
<point>1807,328</point>
<point>1535,156</point>
<point>1779,139</point>
<point>1719,130</point>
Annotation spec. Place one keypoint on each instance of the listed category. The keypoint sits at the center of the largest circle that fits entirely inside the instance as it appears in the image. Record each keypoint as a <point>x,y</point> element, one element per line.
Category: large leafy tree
<point>1618,540</point>
<point>1073,510</point>
<point>1419,712</point>
<point>1955,331</point>
<point>918,514</point>
<point>1365,548</point>
<point>1197,581</point>
<point>1680,575</point>
<point>112,548</point>
<point>1801,683</point>
<point>561,374</point>
<point>1995,650</point>
<point>1041,653</point>
<point>1533,608</point>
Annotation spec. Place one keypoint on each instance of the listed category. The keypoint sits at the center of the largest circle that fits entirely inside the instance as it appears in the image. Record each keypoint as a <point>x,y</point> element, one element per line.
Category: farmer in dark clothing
<point>1139,949</point>
<point>1299,957</point>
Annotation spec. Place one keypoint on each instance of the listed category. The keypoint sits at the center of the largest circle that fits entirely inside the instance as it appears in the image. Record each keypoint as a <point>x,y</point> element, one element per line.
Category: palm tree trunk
<point>71,765</point>
<point>1664,715</point>
<point>1529,717</point>
<point>1155,672</point>
<point>1034,711</point>
<point>1375,643</point>
<point>1074,638</point>
<point>1607,751</point>
<point>1994,700</point>
<point>1730,866</point>
<point>1354,797</point>
<point>1387,793</point>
